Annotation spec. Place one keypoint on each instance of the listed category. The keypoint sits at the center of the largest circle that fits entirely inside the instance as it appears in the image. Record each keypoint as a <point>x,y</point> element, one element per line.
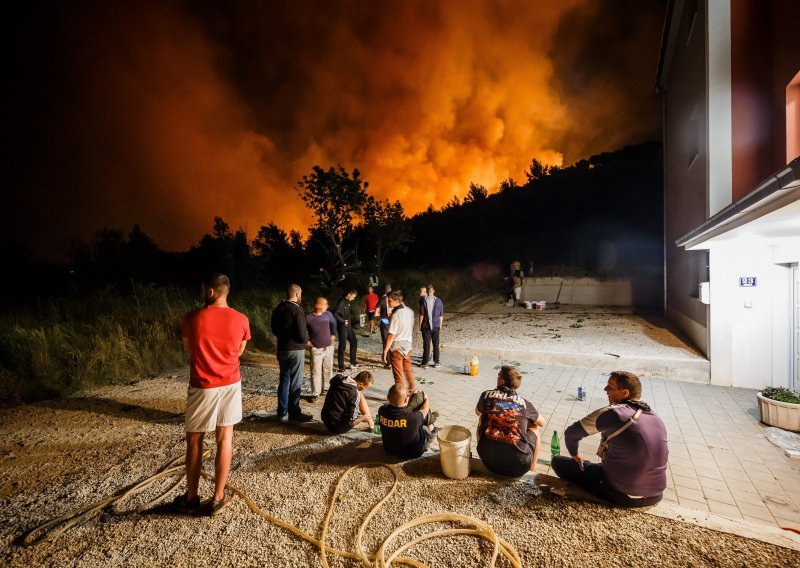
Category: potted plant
<point>780,407</point>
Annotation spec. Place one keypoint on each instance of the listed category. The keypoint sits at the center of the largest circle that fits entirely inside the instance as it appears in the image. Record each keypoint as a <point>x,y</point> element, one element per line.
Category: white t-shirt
<point>402,324</point>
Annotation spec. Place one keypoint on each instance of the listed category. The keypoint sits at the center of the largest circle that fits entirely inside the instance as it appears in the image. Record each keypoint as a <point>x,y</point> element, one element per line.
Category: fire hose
<point>380,559</point>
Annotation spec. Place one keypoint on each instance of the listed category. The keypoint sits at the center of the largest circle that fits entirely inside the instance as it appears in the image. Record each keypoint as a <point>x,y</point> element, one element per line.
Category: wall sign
<point>748,282</point>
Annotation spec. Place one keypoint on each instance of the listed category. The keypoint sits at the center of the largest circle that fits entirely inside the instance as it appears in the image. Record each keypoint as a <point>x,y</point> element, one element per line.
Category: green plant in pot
<point>780,407</point>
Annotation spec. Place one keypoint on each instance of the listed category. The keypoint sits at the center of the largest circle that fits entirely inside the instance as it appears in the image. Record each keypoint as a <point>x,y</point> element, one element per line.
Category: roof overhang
<point>772,210</point>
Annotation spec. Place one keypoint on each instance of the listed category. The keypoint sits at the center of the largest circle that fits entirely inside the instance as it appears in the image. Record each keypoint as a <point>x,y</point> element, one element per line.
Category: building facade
<point>729,74</point>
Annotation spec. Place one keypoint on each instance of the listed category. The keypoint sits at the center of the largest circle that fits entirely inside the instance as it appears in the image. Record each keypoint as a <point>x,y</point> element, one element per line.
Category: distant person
<point>344,325</point>
<point>384,314</point>
<point>508,427</point>
<point>289,326</point>
<point>345,401</point>
<point>430,324</point>
<point>397,351</point>
<point>406,423</point>
<point>321,327</point>
<point>633,448</point>
<point>373,281</point>
<point>215,337</point>
<point>370,306</point>
<point>517,292</point>
<point>516,269</point>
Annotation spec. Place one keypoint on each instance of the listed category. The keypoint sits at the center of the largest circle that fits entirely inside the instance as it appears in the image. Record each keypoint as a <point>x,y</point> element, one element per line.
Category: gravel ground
<point>61,455</point>
<point>490,324</point>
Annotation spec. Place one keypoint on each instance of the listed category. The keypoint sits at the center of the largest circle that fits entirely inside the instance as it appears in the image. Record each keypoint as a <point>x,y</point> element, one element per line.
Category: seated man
<point>508,427</point>
<point>344,402</point>
<point>406,423</point>
<point>633,448</point>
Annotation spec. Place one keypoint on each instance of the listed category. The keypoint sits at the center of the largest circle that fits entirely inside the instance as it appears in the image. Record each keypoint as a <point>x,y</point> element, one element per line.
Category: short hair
<point>629,382</point>
<point>512,378</point>
<point>397,395</point>
<point>218,282</point>
<point>353,292</point>
<point>363,377</point>
<point>387,288</point>
<point>431,288</point>
<point>292,290</point>
<point>396,295</point>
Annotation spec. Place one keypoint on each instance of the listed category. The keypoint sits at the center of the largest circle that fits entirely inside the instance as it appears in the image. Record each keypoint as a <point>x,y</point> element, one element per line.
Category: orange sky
<point>166,115</point>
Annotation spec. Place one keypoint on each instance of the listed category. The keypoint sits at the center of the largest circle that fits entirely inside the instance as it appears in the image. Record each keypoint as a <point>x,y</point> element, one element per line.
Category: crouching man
<point>345,401</point>
<point>633,448</point>
<point>406,423</point>
<point>508,427</point>
<point>214,336</point>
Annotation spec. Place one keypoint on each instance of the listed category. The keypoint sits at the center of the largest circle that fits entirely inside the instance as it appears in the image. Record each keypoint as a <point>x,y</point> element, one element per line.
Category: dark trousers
<point>346,333</point>
<point>290,381</point>
<point>430,337</point>
<point>384,334</point>
<point>593,479</point>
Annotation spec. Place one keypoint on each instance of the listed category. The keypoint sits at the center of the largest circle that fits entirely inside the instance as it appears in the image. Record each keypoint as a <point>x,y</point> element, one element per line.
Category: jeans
<point>401,364</point>
<point>345,332</point>
<point>430,336</point>
<point>321,368</point>
<point>290,381</point>
<point>593,479</point>
<point>384,334</point>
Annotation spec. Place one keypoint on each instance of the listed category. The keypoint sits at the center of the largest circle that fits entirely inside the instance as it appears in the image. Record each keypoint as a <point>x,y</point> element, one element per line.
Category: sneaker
<point>423,366</point>
<point>184,505</point>
<point>302,417</point>
<point>387,366</point>
<point>354,365</point>
<point>436,365</point>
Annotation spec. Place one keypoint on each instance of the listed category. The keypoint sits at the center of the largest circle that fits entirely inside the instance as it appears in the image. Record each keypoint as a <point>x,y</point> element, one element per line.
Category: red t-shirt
<point>371,301</point>
<point>215,336</point>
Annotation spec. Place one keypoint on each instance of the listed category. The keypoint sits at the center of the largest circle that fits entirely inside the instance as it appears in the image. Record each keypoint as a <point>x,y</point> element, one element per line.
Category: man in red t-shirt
<point>370,305</point>
<point>214,336</point>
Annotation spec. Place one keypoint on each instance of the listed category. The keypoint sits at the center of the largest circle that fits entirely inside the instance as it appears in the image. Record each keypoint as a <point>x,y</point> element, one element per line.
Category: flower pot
<point>779,414</point>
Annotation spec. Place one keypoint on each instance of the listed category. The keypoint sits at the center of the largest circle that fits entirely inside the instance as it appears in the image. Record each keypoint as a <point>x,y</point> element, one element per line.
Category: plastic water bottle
<point>555,445</point>
<point>377,429</point>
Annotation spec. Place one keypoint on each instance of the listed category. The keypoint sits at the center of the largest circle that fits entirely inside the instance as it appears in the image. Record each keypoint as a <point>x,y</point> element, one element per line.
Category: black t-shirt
<point>341,403</point>
<point>503,426</point>
<point>401,430</point>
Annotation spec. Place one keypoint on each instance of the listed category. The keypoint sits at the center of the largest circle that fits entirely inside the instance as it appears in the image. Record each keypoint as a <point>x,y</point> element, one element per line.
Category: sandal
<point>215,507</point>
<point>184,505</point>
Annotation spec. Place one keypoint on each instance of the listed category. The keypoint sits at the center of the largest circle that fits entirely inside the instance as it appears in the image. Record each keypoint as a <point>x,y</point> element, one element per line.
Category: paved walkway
<point>719,458</point>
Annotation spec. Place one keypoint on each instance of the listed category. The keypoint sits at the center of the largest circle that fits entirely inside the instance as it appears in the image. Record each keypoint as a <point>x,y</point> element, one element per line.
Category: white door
<point>795,379</point>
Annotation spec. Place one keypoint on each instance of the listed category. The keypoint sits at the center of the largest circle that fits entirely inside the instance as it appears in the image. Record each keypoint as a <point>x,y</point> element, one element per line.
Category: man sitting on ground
<point>345,401</point>
<point>508,427</point>
<point>215,337</point>
<point>406,423</point>
<point>633,448</point>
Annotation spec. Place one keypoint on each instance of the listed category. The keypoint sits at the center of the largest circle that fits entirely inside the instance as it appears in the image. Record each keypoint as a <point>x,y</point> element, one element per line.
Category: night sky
<point>168,113</point>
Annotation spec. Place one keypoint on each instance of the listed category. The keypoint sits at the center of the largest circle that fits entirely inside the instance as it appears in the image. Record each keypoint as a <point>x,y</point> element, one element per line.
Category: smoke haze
<point>168,113</point>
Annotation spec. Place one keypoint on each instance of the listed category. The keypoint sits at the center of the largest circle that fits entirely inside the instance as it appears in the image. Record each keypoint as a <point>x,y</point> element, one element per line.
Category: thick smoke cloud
<point>167,114</point>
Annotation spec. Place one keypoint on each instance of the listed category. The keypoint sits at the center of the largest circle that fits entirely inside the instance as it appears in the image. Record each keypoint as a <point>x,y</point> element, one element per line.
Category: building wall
<point>685,174</point>
<point>765,56</point>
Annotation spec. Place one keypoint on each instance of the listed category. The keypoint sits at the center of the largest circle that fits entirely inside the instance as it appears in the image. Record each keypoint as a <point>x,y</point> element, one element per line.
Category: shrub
<point>781,394</point>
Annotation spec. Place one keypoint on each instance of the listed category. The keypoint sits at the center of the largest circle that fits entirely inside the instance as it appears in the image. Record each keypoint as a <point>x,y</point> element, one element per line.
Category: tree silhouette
<point>387,228</point>
<point>476,193</point>
<point>537,170</point>
<point>335,197</point>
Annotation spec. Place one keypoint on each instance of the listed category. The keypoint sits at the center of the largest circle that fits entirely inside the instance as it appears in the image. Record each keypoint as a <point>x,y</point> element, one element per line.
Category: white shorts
<point>517,293</point>
<point>207,409</point>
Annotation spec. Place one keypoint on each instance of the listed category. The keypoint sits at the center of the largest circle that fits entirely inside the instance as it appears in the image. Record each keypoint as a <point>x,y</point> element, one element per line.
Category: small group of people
<point>633,449</point>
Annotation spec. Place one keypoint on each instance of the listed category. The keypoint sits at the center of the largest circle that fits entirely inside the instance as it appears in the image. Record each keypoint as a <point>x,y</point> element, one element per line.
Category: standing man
<point>633,448</point>
<point>384,314</point>
<point>342,313</point>
<point>508,427</point>
<point>397,351</point>
<point>370,305</point>
<point>321,332</point>
<point>423,293</point>
<point>289,326</point>
<point>214,336</point>
<point>431,317</point>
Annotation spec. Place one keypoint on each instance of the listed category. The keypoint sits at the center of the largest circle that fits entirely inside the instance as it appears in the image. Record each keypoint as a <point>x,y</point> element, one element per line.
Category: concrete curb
<point>687,370</point>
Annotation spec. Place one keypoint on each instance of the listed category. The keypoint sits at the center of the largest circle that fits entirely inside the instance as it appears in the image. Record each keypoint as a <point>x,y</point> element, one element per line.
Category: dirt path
<point>61,455</point>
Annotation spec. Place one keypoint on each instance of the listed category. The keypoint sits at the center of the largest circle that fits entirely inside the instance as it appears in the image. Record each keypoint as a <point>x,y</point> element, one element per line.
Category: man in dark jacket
<point>344,326</point>
<point>345,401</point>
<point>633,448</point>
<point>289,326</point>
